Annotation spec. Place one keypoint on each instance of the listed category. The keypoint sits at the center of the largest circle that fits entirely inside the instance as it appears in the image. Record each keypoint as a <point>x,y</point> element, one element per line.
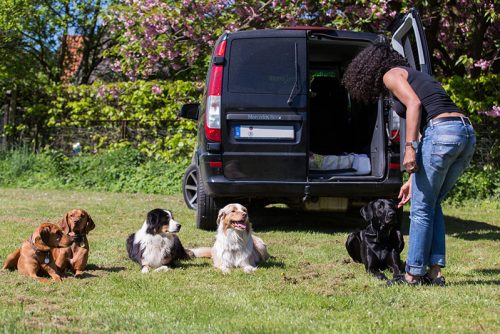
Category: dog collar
<point>80,239</point>
<point>46,260</point>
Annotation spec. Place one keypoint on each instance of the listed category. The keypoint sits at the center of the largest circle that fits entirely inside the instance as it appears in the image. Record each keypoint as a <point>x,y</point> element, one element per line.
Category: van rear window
<point>264,66</point>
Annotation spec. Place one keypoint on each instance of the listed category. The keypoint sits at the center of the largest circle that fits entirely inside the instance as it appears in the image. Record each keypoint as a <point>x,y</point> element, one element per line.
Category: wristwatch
<point>413,144</point>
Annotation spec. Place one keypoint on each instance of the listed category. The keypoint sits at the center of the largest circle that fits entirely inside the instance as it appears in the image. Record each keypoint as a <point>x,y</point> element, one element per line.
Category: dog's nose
<point>179,227</point>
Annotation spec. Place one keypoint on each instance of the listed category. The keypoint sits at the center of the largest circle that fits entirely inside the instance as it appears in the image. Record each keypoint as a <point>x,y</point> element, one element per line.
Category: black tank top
<point>433,98</point>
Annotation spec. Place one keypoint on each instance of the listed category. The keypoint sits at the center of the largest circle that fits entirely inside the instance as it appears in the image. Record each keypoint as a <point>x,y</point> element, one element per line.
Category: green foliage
<point>474,96</point>
<point>120,170</point>
<point>478,99</point>
<point>476,184</point>
<point>153,106</point>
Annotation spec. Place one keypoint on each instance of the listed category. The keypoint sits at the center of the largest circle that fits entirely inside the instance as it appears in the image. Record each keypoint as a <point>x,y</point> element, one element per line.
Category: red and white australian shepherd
<point>235,246</point>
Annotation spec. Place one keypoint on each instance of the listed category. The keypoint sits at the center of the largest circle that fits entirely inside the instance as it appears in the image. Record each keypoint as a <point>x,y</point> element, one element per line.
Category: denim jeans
<point>444,152</point>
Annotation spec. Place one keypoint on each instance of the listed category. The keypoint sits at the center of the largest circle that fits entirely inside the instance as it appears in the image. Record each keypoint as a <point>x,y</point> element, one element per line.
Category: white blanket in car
<point>345,164</point>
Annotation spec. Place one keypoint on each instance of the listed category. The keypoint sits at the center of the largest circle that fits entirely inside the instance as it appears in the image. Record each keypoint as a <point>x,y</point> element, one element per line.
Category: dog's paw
<point>249,269</point>
<point>225,270</point>
<point>79,274</point>
<point>145,270</point>
<point>162,269</point>
<point>57,278</point>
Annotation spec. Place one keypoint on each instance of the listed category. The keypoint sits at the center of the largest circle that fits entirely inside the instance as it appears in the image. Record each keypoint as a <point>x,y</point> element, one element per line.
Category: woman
<point>435,161</point>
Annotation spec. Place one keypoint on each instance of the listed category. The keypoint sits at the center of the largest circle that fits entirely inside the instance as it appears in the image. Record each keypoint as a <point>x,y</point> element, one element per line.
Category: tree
<point>172,39</point>
<point>36,32</point>
<point>45,43</point>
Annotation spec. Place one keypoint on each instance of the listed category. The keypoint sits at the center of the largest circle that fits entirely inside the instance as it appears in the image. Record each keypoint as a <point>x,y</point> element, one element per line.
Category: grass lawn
<point>310,286</point>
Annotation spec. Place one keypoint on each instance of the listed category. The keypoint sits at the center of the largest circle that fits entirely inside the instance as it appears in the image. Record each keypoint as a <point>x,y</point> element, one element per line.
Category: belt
<point>439,120</point>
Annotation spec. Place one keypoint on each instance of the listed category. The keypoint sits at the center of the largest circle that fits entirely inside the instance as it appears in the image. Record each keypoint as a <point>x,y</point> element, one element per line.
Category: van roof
<point>303,31</point>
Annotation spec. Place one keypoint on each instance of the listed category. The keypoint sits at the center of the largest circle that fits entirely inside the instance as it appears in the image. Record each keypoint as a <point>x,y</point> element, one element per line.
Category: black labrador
<point>379,245</point>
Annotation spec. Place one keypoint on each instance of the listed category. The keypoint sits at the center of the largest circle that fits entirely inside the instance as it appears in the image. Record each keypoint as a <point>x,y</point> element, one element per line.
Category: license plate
<point>264,132</point>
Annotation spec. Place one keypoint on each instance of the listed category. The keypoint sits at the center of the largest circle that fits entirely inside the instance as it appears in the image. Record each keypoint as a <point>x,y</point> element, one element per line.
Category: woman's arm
<point>396,80</point>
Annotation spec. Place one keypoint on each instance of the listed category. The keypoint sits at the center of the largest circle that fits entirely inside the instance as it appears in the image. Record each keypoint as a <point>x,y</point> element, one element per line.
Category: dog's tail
<point>11,261</point>
<point>201,252</point>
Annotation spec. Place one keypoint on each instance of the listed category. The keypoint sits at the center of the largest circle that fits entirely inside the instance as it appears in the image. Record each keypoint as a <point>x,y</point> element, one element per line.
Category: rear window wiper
<point>296,86</point>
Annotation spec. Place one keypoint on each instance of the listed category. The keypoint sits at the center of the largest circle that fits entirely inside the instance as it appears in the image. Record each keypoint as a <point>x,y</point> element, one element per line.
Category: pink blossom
<point>102,91</point>
<point>116,66</point>
<point>484,64</point>
<point>494,112</point>
<point>156,90</point>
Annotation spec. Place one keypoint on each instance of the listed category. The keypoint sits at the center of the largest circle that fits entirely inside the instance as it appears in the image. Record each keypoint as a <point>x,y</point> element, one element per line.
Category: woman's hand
<point>410,161</point>
<point>404,193</point>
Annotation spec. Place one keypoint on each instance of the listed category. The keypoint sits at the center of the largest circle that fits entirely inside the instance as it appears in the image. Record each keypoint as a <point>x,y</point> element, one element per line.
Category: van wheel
<point>207,209</point>
<point>190,186</point>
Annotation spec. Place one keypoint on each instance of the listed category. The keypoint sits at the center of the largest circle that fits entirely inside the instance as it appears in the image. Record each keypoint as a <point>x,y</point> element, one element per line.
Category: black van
<point>276,126</point>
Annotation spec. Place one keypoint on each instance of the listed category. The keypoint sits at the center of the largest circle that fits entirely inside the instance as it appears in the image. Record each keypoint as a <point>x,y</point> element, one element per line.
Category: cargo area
<point>346,138</point>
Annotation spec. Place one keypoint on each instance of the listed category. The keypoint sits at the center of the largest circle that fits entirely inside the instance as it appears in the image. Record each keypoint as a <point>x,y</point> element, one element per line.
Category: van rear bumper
<point>218,186</point>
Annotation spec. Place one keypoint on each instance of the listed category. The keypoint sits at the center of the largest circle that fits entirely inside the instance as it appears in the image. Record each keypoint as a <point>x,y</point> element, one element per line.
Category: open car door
<point>408,39</point>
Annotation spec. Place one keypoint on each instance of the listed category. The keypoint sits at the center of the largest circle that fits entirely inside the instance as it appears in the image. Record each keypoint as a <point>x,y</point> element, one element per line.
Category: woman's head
<point>363,76</point>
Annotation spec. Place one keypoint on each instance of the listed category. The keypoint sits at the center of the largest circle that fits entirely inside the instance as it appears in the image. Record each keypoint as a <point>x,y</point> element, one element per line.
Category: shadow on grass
<point>271,263</point>
<point>287,220</point>
<point>476,282</point>
<point>488,271</point>
<point>107,269</point>
<point>190,264</point>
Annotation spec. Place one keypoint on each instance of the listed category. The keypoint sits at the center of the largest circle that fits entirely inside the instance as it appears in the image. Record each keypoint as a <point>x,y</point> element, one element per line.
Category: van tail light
<point>394,165</point>
<point>393,127</point>
<point>395,136</point>
<point>215,164</point>
<point>213,107</point>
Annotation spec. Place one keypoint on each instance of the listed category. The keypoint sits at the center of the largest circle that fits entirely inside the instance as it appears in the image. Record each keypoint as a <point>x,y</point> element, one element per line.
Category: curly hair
<point>363,76</point>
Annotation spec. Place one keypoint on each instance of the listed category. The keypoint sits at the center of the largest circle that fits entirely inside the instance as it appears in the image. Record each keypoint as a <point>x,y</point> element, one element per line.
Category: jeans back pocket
<point>444,153</point>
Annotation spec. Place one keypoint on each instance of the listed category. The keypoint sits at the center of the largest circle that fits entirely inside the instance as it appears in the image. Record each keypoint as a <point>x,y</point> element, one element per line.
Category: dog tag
<point>47,260</point>
<point>82,244</point>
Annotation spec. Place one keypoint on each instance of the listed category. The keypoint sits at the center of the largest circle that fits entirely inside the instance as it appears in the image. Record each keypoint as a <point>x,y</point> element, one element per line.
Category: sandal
<point>401,280</point>
<point>438,281</point>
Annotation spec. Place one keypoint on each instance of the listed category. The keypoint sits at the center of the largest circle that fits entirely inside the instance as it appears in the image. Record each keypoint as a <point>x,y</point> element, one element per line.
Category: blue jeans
<point>444,152</point>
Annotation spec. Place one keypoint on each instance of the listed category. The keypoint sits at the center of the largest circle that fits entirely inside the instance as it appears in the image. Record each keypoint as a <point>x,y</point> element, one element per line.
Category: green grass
<point>310,286</point>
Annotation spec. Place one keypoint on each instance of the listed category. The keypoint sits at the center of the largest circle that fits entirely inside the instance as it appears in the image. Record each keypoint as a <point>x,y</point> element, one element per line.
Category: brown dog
<point>35,254</point>
<point>76,223</point>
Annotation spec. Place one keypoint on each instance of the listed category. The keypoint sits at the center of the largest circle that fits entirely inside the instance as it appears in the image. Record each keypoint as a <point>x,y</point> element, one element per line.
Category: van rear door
<point>264,104</point>
<point>408,38</point>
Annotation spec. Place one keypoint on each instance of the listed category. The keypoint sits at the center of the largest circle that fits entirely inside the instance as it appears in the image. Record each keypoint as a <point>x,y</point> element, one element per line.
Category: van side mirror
<point>190,111</point>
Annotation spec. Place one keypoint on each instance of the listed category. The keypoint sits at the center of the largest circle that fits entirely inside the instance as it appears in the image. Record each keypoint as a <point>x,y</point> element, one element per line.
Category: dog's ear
<point>64,223</point>
<point>221,216</point>
<point>41,238</point>
<point>152,221</point>
<point>367,212</point>
<point>90,223</point>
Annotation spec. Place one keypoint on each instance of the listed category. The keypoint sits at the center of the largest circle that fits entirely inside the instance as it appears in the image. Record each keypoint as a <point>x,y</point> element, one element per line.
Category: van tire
<point>207,209</point>
<point>190,186</point>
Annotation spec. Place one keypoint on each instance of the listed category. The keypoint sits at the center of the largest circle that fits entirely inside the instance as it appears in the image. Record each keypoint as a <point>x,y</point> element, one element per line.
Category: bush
<point>478,184</point>
<point>476,98</point>
<point>120,170</point>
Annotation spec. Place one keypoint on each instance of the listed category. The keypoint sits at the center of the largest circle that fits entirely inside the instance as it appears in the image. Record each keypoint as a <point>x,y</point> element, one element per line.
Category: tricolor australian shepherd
<point>235,246</point>
<point>156,246</point>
